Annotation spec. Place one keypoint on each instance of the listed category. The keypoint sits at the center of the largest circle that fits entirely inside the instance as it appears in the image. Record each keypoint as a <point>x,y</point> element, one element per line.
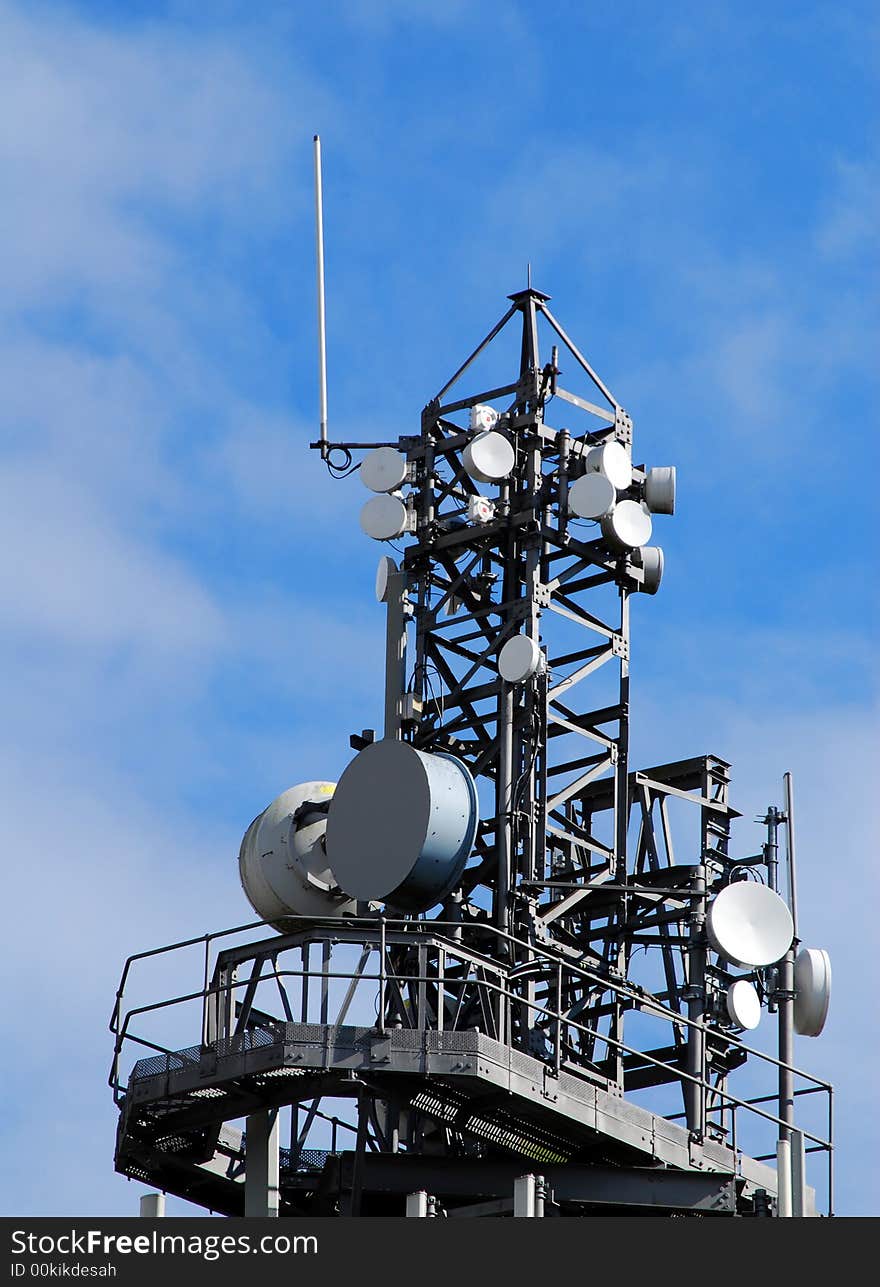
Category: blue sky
<point>188,623</point>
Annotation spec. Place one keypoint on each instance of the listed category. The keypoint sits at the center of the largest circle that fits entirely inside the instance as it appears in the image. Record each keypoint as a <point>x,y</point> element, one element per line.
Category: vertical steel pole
<point>417,1204</point>
<point>695,1095</point>
<point>621,769</point>
<point>322,327</point>
<point>395,652</point>
<point>357,1185</point>
<point>783,1179</point>
<point>152,1205</point>
<point>790,850</point>
<point>771,861</point>
<point>524,1196</point>
<point>262,1190</point>
<point>771,847</point>
<point>785,1000</point>
<point>798,1174</point>
<point>504,806</point>
<point>785,975</point>
<point>325,981</point>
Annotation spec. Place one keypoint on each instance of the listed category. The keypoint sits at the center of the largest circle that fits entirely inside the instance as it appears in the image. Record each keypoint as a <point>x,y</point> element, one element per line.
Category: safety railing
<point>506,989</point>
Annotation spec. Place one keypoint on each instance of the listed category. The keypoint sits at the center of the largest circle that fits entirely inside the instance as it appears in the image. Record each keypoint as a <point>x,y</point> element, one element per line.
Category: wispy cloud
<point>187,608</point>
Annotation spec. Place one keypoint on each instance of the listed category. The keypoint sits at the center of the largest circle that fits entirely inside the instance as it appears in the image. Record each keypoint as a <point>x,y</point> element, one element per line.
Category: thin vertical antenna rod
<point>322,329</point>
<point>790,849</point>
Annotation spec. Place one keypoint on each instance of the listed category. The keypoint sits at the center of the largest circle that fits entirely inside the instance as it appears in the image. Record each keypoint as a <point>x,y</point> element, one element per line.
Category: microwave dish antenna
<point>749,925</point>
<point>812,984</point>
<point>743,1004</point>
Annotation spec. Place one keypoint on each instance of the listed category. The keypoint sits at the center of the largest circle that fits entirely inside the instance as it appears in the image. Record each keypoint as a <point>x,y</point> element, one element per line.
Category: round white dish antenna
<point>612,460</point>
<point>660,490</point>
<point>483,418</point>
<point>591,496</point>
<point>627,526</point>
<point>383,470</point>
<point>749,924</point>
<point>387,568</point>
<point>402,825</point>
<point>650,559</point>
<point>812,990</point>
<point>488,458</point>
<point>384,518</point>
<point>282,862</point>
<point>743,1004</point>
<point>519,659</point>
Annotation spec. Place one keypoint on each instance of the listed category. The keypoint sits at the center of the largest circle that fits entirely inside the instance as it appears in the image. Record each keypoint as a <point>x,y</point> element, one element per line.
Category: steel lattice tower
<point>521,1025</point>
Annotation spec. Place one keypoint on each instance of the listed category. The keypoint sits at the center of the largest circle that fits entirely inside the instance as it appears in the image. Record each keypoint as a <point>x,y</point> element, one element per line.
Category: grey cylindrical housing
<point>401,825</point>
<point>660,489</point>
<point>282,863</point>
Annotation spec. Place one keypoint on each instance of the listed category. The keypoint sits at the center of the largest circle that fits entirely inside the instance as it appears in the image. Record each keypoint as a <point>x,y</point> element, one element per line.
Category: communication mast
<point>498,984</point>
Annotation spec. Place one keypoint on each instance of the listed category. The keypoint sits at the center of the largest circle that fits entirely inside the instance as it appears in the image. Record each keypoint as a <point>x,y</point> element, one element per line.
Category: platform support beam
<point>417,1204</point>
<point>528,1196</point>
<point>262,1169</point>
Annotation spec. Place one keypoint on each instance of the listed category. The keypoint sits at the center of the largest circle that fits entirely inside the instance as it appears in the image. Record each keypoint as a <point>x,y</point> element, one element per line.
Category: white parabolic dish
<point>749,924</point>
<point>627,526</point>
<point>612,460</point>
<point>488,458</point>
<point>384,518</point>
<point>743,1004</point>
<point>591,496</point>
<point>387,568</point>
<point>519,659</point>
<point>383,470</point>
<point>650,559</point>
<point>660,489</point>
<point>812,990</point>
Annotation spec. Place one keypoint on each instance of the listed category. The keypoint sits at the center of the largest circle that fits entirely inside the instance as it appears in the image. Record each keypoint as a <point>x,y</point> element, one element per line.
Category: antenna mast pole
<point>322,329</point>
<point>786,980</point>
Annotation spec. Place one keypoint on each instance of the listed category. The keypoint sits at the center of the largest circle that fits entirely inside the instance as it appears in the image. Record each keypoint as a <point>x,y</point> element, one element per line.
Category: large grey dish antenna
<point>750,925</point>
<point>402,825</point>
<point>812,990</point>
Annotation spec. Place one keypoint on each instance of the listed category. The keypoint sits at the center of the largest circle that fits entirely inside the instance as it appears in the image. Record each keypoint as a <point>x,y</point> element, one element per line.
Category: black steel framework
<point>502,1019</point>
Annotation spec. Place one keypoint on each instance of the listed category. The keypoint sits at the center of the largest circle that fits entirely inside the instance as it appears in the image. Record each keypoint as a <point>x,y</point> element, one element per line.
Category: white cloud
<point>852,219</point>
<point>101,132</point>
<point>92,874</point>
<point>137,164</point>
<point>67,575</point>
<point>384,16</point>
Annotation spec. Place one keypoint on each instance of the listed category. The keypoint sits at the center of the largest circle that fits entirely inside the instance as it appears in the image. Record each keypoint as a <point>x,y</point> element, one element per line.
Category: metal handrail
<point>622,987</point>
<point>556,1016</point>
<point>549,969</point>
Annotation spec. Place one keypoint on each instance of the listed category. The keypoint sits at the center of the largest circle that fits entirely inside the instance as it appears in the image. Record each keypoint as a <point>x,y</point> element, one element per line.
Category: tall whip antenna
<point>322,329</point>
